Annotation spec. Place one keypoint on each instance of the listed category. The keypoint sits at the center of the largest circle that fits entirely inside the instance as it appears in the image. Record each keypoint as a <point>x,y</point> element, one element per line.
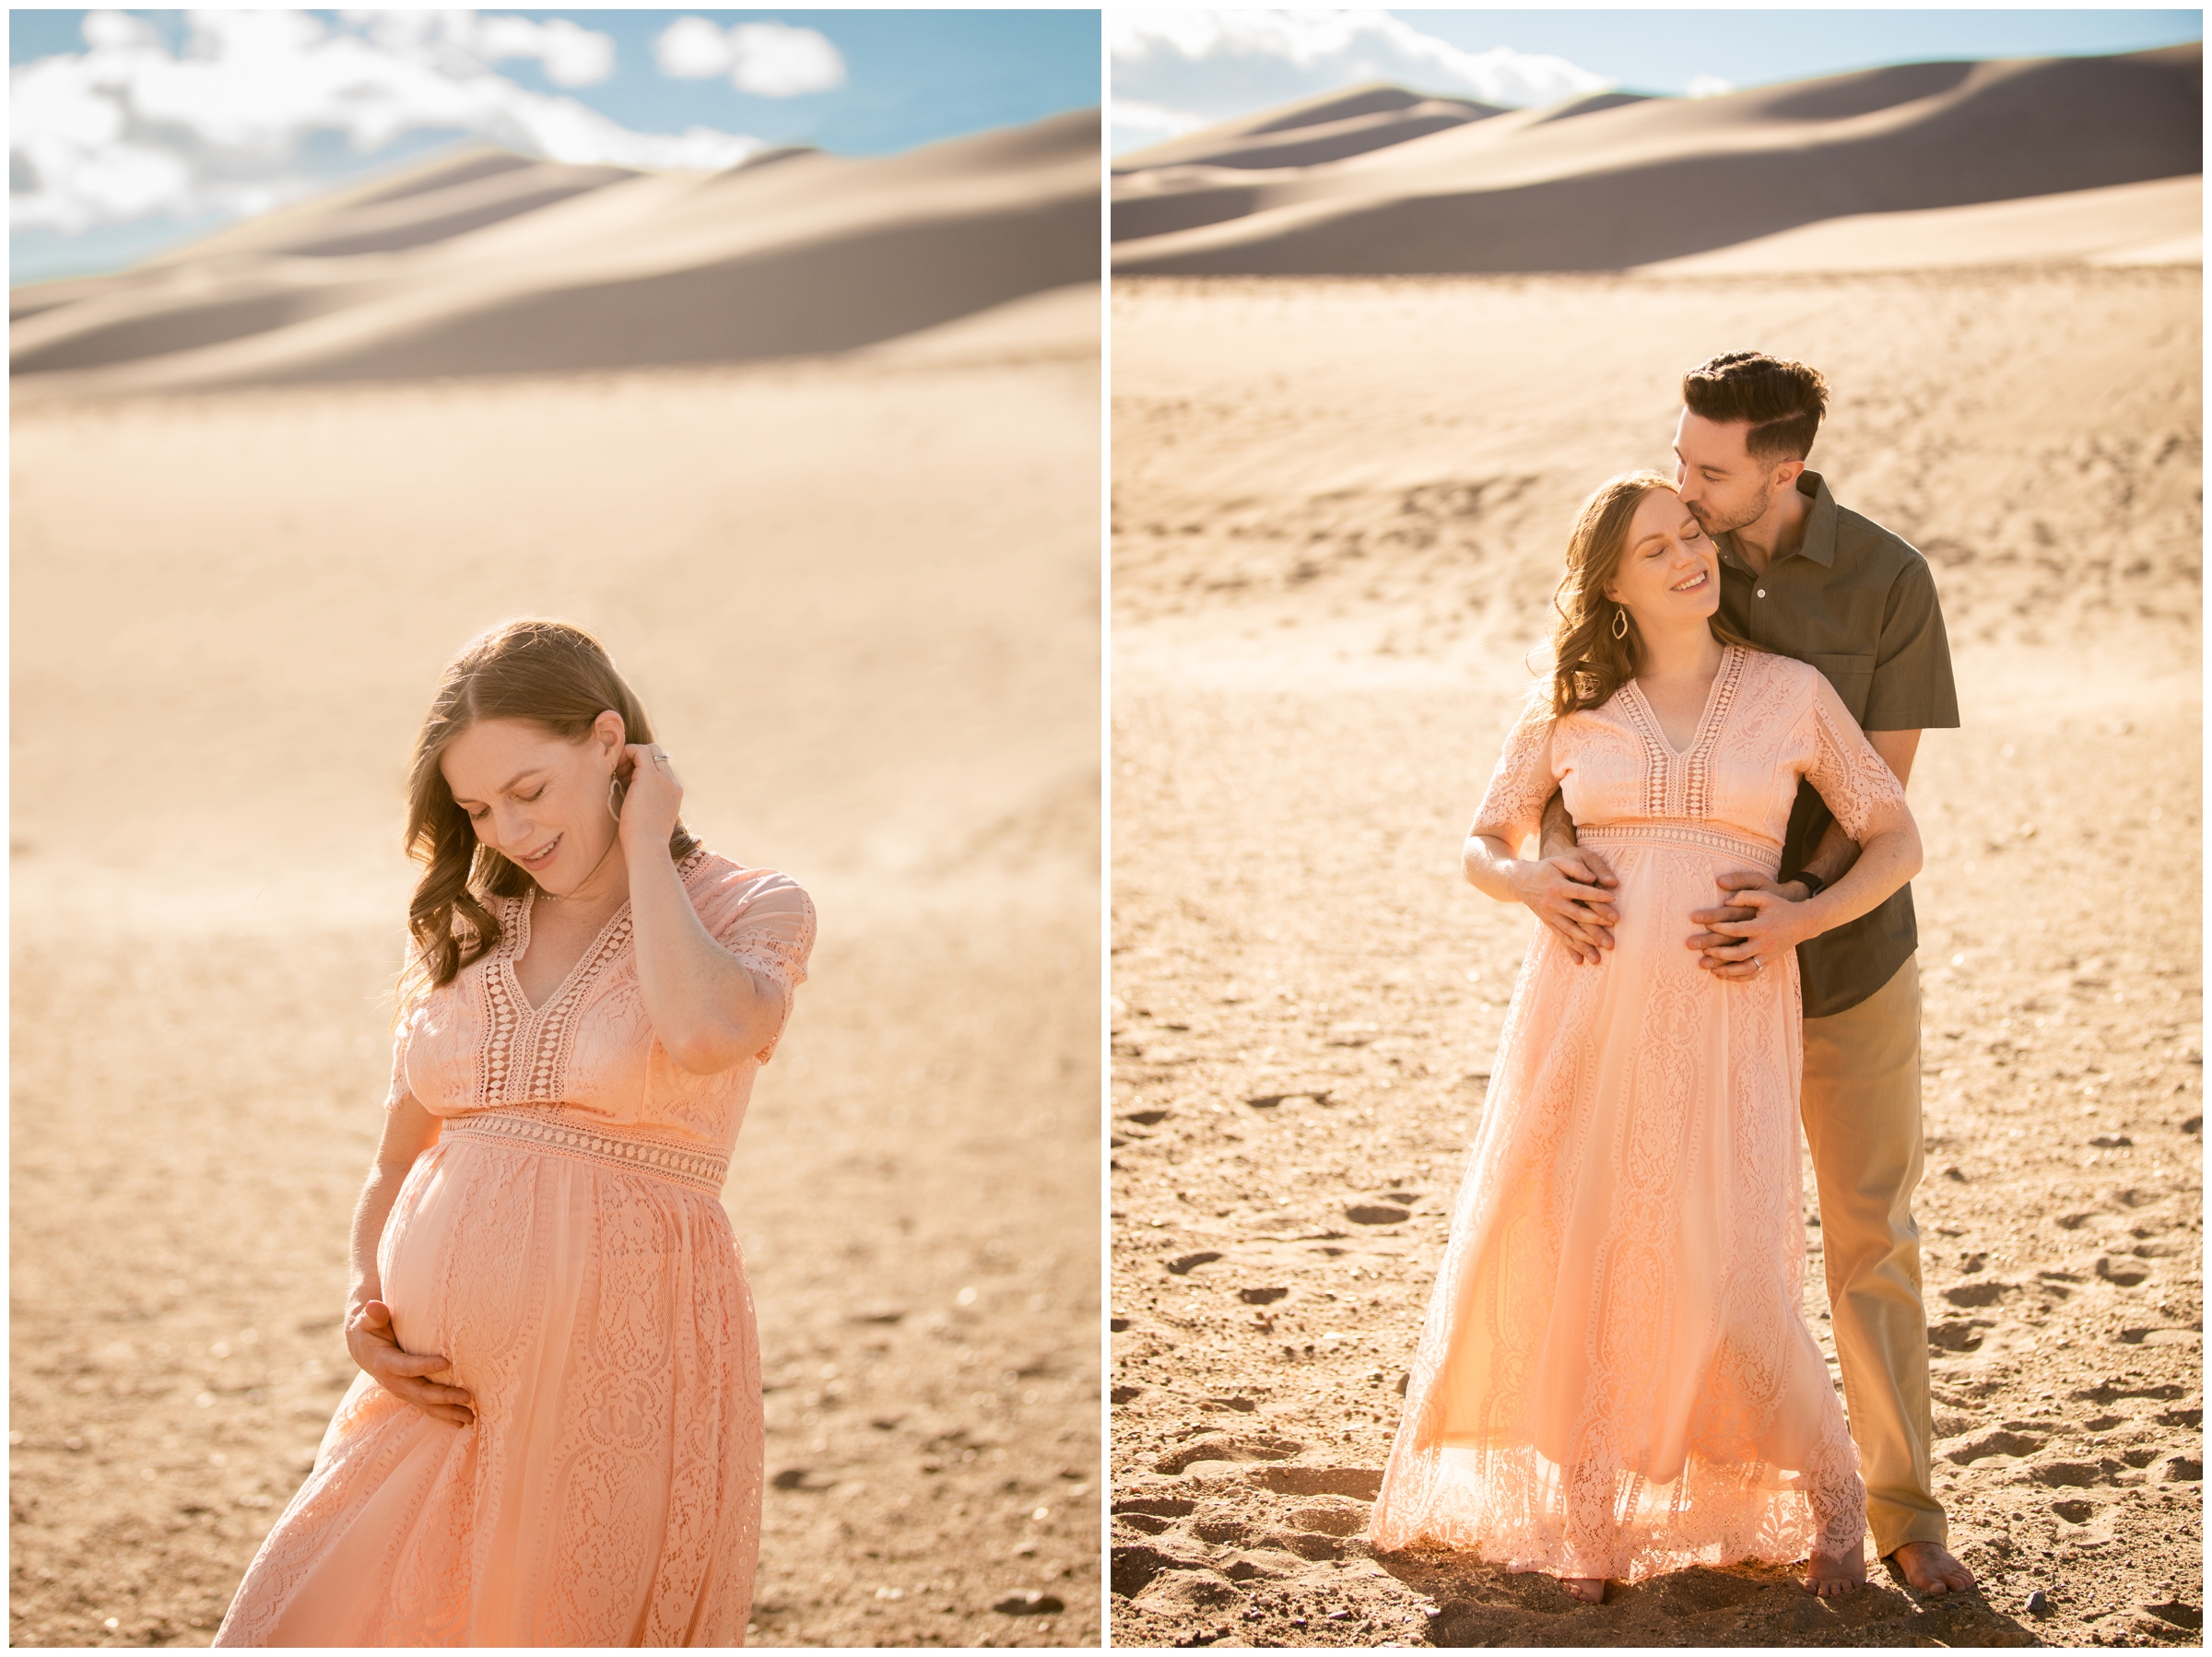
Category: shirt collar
<point>1819,543</point>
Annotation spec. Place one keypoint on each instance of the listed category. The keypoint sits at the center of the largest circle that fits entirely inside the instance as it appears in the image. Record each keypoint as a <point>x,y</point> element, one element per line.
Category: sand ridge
<point>1337,512</point>
<point>485,264</point>
<point>1324,128</point>
<point>1607,184</point>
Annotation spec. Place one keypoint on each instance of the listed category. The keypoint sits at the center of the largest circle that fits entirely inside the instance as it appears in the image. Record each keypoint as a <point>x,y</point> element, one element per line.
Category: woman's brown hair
<point>550,674</point>
<point>1589,663</point>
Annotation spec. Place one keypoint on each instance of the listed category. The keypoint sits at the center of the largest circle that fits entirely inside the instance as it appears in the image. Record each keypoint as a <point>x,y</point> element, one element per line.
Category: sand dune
<point>1313,130</point>
<point>1657,179</point>
<point>2161,222</point>
<point>490,265</point>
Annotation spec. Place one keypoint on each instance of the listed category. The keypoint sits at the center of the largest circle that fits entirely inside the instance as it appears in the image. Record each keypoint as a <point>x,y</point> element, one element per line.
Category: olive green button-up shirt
<point>1859,603</point>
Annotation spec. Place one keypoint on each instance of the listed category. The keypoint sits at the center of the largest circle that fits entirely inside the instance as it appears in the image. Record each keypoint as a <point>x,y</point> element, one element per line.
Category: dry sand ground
<point>1338,509</point>
<point>861,601</point>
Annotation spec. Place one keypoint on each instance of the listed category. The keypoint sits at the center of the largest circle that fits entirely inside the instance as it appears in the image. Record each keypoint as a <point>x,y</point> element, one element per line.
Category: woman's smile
<point>539,861</point>
<point>1692,583</point>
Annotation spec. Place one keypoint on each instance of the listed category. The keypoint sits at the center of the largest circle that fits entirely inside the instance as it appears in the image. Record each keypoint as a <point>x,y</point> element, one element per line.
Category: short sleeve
<point>1513,806</point>
<point>402,1028</point>
<point>1855,782</point>
<point>770,931</point>
<point>1912,689</point>
<point>398,1090</point>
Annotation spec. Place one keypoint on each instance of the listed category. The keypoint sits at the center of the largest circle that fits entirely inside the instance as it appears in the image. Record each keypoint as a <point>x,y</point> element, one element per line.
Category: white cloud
<point>1709,86</point>
<point>770,60</point>
<point>1131,124</point>
<point>570,54</point>
<point>1217,64</point>
<point>1132,116</point>
<point>129,128</point>
<point>692,49</point>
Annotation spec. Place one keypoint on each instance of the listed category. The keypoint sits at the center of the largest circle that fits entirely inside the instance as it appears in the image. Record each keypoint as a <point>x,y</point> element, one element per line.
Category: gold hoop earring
<point>613,801</point>
<point>1621,623</point>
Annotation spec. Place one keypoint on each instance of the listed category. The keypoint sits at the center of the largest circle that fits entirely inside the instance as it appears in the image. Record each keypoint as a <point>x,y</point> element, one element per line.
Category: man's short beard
<point>1760,503</point>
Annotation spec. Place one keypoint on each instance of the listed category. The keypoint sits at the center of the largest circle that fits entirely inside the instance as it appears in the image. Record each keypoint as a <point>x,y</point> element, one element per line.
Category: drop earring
<point>1620,622</point>
<point>613,799</point>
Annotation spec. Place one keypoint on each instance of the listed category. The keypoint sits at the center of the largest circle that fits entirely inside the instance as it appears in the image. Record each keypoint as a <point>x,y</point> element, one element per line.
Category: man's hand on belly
<point>1730,954</point>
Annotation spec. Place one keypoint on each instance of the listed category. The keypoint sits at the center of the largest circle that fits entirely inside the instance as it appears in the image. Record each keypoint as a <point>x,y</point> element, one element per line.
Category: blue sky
<point>1172,71</point>
<point>125,143</point>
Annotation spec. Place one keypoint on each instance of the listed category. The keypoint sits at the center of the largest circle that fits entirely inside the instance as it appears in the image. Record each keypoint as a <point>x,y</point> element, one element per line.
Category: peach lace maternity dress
<point>1615,1377</point>
<point>564,1244</point>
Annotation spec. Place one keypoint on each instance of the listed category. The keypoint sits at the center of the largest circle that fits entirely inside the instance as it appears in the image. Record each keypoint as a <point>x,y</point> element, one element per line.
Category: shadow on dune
<point>177,328</point>
<point>834,295</point>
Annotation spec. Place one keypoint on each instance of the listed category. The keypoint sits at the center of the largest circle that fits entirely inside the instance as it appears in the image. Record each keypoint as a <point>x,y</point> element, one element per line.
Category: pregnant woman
<point>555,1437</point>
<point>1615,1377</point>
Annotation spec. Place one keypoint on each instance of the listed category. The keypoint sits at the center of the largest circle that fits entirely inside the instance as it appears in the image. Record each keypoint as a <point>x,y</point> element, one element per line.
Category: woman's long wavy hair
<point>550,674</point>
<point>1588,662</point>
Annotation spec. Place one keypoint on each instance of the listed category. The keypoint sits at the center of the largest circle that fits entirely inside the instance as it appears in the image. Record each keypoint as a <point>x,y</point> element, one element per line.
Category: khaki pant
<point>1862,1118</point>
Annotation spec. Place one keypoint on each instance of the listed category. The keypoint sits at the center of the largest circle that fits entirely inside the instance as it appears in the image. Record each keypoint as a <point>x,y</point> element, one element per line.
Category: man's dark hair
<point>1782,401</point>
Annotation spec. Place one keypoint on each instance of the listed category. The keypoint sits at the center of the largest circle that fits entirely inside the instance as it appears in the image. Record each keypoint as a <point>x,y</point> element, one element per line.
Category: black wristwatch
<point>1813,885</point>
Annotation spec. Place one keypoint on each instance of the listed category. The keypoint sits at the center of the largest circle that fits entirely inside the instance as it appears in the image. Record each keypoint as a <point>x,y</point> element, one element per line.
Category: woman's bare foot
<point>1591,1590</point>
<point>1930,1568</point>
<point>1832,1578</point>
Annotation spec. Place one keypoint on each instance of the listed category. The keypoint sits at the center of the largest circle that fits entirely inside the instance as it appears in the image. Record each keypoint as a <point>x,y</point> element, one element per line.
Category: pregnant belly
<point>1662,884</point>
<point>507,1260</point>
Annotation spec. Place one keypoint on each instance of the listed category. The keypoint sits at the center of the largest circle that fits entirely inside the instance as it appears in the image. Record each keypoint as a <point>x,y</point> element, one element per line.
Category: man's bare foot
<point>1831,1579</point>
<point>1591,1590</point>
<point>1931,1569</point>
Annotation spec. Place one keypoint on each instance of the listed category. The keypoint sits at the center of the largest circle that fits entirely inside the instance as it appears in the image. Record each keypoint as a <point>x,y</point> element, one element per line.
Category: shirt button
<point>1762,593</point>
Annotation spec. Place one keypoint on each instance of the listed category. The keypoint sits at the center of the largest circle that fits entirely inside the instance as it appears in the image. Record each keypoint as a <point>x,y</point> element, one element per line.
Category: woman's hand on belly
<point>369,1337</point>
<point>1572,893</point>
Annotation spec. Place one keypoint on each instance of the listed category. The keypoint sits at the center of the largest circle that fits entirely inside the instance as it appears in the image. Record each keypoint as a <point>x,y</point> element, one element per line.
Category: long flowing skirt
<point>1615,1377</point>
<point>608,1492</point>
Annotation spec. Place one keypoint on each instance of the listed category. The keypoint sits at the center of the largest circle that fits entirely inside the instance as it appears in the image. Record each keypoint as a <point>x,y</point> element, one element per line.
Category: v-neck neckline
<point>1699,730</point>
<point>522,947</point>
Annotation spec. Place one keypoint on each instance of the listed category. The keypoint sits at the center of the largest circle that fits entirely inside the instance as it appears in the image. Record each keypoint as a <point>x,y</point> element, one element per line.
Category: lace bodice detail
<point>477,1044</point>
<point>1767,720</point>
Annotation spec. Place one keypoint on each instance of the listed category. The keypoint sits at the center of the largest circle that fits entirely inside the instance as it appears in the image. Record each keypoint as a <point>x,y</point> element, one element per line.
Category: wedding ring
<point>1757,965</point>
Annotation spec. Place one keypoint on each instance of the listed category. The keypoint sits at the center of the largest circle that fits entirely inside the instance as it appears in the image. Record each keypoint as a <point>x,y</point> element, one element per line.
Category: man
<point>1801,576</point>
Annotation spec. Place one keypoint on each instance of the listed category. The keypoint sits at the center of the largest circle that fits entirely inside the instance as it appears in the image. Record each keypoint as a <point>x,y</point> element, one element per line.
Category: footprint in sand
<point>2075,1476</point>
<point>1959,1334</point>
<point>1334,1518</point>
<point>1980,1294</point>
<point>1994,1444</point>
<point>1255,1447</point>
<point>1363,1483</point>
<point>2112,1392</point>
<point>1377,1214</point>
